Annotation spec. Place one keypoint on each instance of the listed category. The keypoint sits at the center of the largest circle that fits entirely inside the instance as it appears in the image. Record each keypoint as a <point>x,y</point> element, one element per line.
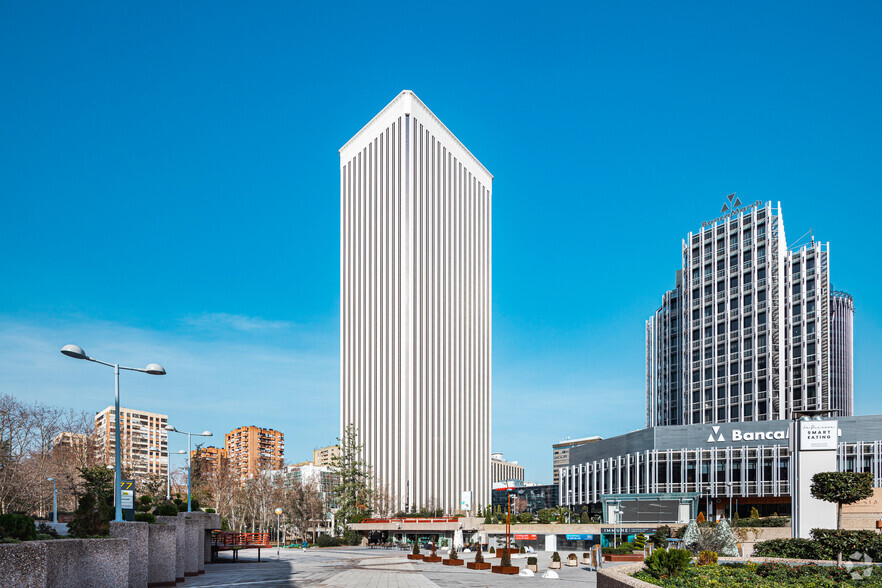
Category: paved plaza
<point>372,568</point>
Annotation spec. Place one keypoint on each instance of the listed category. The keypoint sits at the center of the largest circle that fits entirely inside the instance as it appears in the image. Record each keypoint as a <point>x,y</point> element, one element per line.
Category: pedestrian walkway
<point>355,567</point>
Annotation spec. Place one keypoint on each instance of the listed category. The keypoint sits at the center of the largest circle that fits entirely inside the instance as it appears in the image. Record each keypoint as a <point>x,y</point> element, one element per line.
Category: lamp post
<point>54,501</point>
<point>617,511</point>
<point>508,527</point>
<point>729,487</point>
<point>278,531</point>
<point>171,429</point>
<point>153,369</point>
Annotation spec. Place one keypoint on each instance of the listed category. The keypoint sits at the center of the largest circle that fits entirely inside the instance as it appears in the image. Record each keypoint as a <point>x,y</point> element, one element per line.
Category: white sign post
<point>815,452</point>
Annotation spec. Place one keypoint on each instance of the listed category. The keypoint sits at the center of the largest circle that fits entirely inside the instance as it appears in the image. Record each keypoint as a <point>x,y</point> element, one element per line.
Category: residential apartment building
<point>325,456</point>
<point>251,450</point>
<point>504,471</point>
<point>415,321</point>
<point>212,460</point>
<point>143,440</point>
<point>561,453</point>
<point>752,329</point>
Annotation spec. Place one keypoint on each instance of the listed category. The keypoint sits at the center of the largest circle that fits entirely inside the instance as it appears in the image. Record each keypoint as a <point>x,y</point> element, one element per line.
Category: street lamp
<point>278,531</point>
<point>171,429</point>
<point>617,511</point>
<point>154,369</point>
<point>54,501</point>
<point>729,486</point>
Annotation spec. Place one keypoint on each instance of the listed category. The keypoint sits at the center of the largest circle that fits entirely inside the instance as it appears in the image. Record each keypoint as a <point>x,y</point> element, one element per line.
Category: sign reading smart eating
<point>818,435</point>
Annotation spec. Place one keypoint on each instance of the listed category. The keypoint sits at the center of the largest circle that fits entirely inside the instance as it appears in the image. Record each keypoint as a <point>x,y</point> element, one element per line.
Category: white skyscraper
<point>415,322</point>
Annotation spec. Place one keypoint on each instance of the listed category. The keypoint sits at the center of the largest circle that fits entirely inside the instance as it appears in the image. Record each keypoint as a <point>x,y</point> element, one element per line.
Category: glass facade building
<point>752,330</point>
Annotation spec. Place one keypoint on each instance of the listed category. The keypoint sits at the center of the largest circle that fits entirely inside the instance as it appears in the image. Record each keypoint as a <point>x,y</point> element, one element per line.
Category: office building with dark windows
<point>751,338</point>
<point>752,330</point>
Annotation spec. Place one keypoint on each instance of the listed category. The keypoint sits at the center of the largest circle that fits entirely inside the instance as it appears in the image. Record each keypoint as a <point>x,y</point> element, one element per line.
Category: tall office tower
<point>251,450</point>
<point>752,330</point>
<point>415,306</point>
<point>143,440</point>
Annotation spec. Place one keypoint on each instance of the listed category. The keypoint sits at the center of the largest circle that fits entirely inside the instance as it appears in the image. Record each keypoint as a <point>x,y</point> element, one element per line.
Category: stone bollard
<point>162,555</point>
<point>138,535</point>
<point>204,548</point>
<point>180,543</point>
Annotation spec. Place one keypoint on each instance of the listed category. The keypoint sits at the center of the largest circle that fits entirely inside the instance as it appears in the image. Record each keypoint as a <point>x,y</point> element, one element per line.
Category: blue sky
<point>169,180</point>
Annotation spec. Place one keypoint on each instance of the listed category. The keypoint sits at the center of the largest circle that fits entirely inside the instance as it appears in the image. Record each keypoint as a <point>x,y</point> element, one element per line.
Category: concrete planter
<point>533,567</point>
<point>85,563</point>
<point>137,534</point>
<point>473,565</point>
<point>180,543</point>
<point>612,557</point>
<point>452,562</point>
<point>161,555</point>
<point>509,570</point>
<point>554,565</point>
<point>572,562</point>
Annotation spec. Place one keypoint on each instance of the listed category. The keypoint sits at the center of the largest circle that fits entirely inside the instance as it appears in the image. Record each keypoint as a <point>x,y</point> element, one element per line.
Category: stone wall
<point>66,563</point>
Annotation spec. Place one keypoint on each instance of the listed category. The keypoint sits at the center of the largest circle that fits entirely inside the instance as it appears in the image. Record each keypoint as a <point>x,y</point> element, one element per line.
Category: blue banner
<point>573,537</point>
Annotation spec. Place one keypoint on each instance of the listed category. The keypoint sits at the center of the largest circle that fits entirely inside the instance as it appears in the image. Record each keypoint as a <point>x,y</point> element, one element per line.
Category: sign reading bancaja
<point>818,435</point>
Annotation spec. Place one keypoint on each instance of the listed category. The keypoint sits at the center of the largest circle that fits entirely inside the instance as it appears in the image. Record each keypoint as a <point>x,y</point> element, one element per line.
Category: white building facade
<point>415,322</point>
<point>752,331</point>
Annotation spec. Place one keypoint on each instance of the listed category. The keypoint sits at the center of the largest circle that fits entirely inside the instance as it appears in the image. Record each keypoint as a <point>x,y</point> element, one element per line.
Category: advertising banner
<point>524,537</point>
<point>579,537</point>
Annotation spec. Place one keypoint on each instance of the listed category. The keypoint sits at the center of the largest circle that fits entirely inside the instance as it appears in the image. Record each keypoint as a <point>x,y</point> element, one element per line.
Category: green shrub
<point>525,517</point>
<point>479,557</point>
<point>453,554</point>
<point>622,549</point>
<point>17,526</point>
<point>660,537</point>
<point>145,517</point>
<point>505,560</point>
<point>351,537</point>
<point>572,556</point>
<point>766,522</point>
<point>754,513</point>
<point>43,537</point>
<point>492,550</point>
<point>166,509</point>
<point>523,550</point>
<point>210,510</point>
<point>707,558</point>
<point>146,499</point>
<point>789,548</point>
<point>532,561</point>
<point>639,542</point>
<point>555,556</point>
<point>44,529</point>
<point>327,541</point>
<point>668,563</point>
<point>586,555</point>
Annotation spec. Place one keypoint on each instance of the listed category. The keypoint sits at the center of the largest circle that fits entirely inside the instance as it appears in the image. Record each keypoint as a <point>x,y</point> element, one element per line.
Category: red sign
<point>524,537</point>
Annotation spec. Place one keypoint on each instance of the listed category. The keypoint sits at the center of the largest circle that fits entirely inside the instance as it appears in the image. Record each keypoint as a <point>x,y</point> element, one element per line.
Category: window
<point>810,306</point>
<point>708,352</point>
<point>797,330</point>
<point>810,328</point>
<point>708,373</point>
<point>747,256</point>
<point>748,321</point>
<point>708,332</point>
<point>761,296</point>
<point>748,299</point>
<point>748,365</point>
<point>797,289</point>
<point>795,269</point>
<point>696,314</point>
<point>721,328</point>
<point>721,350</point>
<point>721,307</point>
<point>733,326</point>
<point>810,263</point>
<point>708,311</point>
<point>748,277</point>
<point>797,310</point>
<point>761,318</point>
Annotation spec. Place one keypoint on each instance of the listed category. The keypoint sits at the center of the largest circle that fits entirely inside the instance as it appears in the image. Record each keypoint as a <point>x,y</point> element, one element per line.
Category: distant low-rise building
<point>501,469</point>
<point>324,456</point>
<point>562,453</point>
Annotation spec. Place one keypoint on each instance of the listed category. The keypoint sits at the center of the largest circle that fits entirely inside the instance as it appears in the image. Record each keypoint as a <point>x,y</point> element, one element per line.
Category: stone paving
<point>351,567</point>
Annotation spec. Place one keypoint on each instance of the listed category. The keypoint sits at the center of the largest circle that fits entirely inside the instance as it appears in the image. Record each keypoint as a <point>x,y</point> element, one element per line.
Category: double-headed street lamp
<point>54,500</point>
<point>76,352</point>
<point>171,429</point>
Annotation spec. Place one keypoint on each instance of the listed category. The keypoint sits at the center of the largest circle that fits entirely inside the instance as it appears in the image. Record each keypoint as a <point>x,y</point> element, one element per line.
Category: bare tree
<point>303,507</point>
